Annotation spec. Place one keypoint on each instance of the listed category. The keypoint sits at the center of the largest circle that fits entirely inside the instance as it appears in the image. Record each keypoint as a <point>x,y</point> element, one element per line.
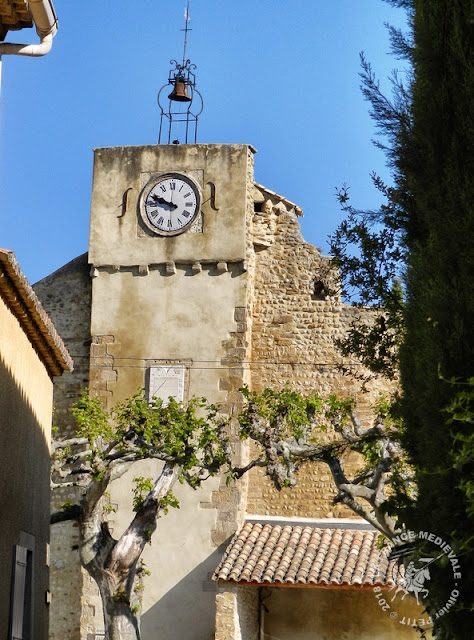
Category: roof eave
<point>23,303</point>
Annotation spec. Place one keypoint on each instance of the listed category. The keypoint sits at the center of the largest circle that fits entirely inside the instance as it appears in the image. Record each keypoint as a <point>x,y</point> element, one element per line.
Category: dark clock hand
<point>159,200</point>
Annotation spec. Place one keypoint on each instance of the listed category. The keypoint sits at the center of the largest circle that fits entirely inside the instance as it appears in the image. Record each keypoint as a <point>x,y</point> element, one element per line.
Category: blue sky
<point>282,76</point>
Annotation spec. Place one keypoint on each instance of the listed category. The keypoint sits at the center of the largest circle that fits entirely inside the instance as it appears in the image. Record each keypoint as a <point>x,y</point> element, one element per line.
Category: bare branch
<point>238,472</point>
<point>70,442</point>
<point>357,508</point>
<point>74,512</point>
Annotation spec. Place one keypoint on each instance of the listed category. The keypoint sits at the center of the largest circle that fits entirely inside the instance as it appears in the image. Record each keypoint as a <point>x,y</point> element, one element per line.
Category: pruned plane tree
<point>191,444</point>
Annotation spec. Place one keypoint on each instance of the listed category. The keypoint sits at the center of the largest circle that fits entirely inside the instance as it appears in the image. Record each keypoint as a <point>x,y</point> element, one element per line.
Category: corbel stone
<point>170,268</point>
<point>221,267</point>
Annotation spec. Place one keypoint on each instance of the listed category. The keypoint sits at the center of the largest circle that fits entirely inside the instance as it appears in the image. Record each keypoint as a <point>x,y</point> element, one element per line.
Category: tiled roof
<point>297,209</point>
<point>14,15</point>
<point>305,555</point>
<point>23,303</point>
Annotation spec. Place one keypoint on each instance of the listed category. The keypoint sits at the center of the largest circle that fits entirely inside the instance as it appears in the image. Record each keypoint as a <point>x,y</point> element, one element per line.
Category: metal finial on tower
<point>186,29</point>
<point>183,82</point>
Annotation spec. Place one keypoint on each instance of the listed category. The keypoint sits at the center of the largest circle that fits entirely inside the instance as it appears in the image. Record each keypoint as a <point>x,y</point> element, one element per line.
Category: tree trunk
<point>120,620</point>
<point>113,563</point>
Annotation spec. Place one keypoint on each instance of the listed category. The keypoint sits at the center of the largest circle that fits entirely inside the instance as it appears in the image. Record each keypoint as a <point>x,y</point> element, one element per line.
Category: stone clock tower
<point>168,250</point>
<point>161,301</point>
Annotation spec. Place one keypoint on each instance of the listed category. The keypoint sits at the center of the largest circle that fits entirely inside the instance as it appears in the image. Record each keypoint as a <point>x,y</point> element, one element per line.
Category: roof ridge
<point>322,523</point>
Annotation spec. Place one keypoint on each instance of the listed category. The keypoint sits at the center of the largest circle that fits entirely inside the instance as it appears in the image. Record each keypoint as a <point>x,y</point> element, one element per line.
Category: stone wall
<point>66,297</point>
<point>237,612</point>
<point>295,323</point>
<point>231,502</point>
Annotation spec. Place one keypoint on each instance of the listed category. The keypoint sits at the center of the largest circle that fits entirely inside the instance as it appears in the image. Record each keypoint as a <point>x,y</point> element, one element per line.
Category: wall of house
<point>245,612</point>
<point>25,425</point>
<point>337,614</point>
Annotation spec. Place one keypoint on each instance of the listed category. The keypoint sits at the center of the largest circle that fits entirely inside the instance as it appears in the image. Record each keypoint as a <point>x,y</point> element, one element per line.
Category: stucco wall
<point>117,239</point>
<point>170,300</point>
<point>25,425</point>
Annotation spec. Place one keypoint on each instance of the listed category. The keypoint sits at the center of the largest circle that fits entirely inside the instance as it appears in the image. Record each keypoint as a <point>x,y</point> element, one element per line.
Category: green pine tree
<point>423,234</point>
<point>439,314</point>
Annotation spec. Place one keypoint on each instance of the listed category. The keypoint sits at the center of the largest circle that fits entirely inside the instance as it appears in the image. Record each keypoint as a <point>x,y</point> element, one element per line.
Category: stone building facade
<point>238,298</point>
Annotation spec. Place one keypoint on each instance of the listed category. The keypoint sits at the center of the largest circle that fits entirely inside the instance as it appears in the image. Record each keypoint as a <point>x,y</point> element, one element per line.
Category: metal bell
<point>180,91</point>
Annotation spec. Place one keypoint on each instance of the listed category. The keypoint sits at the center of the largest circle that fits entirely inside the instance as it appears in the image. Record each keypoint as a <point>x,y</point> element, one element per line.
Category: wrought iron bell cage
<point>181,107</point>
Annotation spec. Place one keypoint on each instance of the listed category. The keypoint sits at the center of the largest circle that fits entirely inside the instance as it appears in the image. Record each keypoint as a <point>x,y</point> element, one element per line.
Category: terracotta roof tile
<point>287,554</point>
<point>298,210</point>
<point>23,303</point>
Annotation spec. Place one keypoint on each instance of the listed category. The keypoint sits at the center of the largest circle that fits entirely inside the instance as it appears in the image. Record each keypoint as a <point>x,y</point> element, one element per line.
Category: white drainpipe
<point>46,24</point>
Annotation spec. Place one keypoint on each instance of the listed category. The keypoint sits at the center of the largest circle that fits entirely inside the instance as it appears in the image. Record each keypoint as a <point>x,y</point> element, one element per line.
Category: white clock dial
<point>170,203</point>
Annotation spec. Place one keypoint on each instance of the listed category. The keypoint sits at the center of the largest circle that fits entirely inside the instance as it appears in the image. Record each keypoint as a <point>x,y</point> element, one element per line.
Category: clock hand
<point>167,203</point>
<point>159,200</point>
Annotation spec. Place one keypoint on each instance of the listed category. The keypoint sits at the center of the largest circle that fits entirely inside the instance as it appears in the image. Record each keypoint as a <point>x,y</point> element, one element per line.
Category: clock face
<point>170,203</point>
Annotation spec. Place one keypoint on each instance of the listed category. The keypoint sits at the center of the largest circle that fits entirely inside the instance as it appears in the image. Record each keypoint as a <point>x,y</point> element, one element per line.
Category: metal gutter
<point>46,23</point>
